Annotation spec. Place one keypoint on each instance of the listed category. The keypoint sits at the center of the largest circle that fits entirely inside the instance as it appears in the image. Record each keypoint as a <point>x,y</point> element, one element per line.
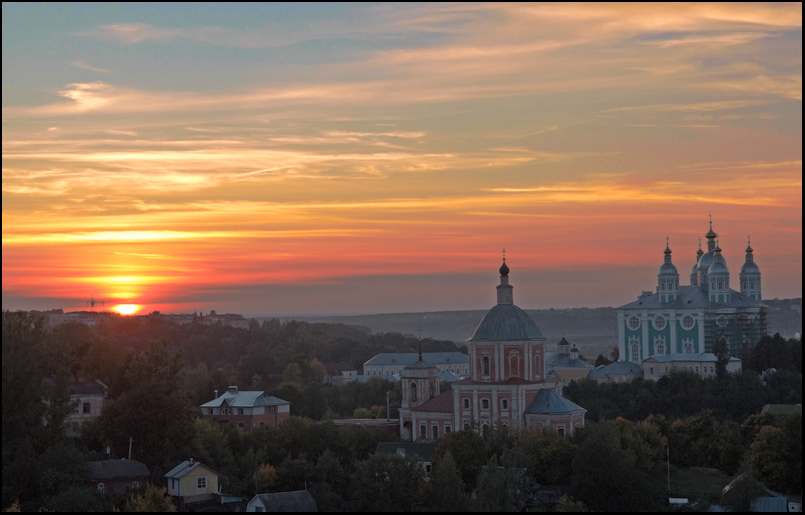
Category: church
<point>507,384</point>
<point>689,319</point>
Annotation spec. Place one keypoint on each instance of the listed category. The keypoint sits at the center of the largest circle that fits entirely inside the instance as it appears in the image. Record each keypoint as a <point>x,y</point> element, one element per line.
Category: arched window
<point>485,365</point>
<point>423,432</point>
<point>466,426</point>
<point>635,353</point>
<point>101,488</point>
<point>435,432</point>
<point>466,404</point>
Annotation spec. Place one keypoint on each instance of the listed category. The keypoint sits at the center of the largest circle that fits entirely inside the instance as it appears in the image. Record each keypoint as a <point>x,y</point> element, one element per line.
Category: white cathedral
<point>689,319</point>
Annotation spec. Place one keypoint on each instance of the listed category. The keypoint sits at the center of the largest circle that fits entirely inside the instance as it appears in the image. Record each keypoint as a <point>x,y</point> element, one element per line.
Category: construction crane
<point>92,301</point>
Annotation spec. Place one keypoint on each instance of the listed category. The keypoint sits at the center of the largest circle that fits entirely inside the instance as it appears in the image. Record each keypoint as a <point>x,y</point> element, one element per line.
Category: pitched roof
<point>409,358</point>
<point>116,469</point>
<point>299,500</point>
<point>616,368</point>
<point>691,297</point>
<point>184,467</point>
<point>699,357</point>
<point>562,360</point>
<point>246,399</point>
<point>548,402</point>
<point>440,404</point>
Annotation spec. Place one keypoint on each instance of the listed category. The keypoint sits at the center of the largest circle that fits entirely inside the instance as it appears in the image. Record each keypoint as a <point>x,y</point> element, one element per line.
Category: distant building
<point>299,500</point>
<point>616,372</point>
<point>339,373</point>
<point>508,384</point>
<point>702,364</point>
<point>566,363</point>
<point>689,319</point>
<point>391,363</point>
<point>246,410</point>
<point>115,477</point>
<point>88,398</point>
<point>422,451</point>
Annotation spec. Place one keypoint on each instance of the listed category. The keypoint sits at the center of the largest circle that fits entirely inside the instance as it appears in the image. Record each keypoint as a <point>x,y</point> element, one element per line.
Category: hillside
<point>593,330</point>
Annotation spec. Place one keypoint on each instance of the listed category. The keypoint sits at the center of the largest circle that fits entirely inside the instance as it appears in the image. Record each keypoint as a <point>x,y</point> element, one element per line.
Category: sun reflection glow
<point>127,309</point>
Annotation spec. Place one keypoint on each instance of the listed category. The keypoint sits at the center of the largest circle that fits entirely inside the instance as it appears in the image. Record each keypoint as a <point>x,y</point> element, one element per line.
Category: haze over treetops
<point>370,158</point>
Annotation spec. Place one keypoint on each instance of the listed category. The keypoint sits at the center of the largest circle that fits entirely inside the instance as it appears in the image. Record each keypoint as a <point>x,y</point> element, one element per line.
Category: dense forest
<point>159,372</point>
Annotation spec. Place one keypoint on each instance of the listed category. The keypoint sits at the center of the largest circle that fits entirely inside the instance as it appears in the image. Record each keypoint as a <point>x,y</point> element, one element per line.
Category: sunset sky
<point>376,158</point>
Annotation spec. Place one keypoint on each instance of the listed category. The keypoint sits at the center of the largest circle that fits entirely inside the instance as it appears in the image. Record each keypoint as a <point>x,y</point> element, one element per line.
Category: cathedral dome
<point>705,262</point>
<point>668,269</point>
<point>504,269</point>
<point>719,265</point>
<point>506,322</point>
<point>750,267</point>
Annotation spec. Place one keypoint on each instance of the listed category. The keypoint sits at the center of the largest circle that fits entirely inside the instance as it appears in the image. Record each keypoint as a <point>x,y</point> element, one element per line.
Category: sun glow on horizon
<point>127,309</point>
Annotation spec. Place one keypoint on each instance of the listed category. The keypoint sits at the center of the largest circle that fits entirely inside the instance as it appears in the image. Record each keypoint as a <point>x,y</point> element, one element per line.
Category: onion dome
<point>711,233</point>
<point>668,268</point>
<point>504,270</point>
<point>750,267</point>
<point>719,265</point>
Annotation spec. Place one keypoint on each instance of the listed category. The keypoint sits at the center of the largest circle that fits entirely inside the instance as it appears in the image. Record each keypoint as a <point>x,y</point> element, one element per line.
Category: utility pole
<point>668,458</point>
<point>130,440</point>
<point>387,406</point>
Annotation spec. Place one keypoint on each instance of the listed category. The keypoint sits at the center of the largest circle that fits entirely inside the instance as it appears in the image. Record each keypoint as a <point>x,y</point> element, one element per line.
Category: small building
<point>88,398</point>
<point>246,410</point>
<point>566,363</point>
<point>339,373</point>
<point>393,363</point>
<point>299,500</point>
<point>701,363</point>
<point>192,481</point>
<point>616,372</point>
<point>549,410</point>
<point>422,451</point>
<point>114,477</point>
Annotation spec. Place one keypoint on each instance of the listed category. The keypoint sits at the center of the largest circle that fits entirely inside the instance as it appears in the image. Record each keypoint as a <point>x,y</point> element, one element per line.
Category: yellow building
<point>192,481</point>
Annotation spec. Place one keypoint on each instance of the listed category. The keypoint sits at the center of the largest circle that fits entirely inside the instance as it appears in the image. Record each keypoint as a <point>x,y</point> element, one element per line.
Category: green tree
<point>386,482</point>
<point>776,456</point>
<point>445,491</point>
<point>497,487</point>
<point>568,505</point>
<point>468,451</point>
<point>153,499</point>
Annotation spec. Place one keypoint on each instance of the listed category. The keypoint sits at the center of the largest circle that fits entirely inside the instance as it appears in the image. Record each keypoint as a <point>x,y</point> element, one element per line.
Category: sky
<point>313,158</point>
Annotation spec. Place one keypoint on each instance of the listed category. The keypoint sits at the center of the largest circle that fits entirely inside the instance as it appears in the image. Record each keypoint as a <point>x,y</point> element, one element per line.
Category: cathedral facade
<point>689,319</point>
<point>507,384</point>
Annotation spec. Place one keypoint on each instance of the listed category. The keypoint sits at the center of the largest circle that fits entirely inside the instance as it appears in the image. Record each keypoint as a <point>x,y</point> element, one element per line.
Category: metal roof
<point>116,469</point>
<point>506,322</point>
<point>184,467</point>
<point>409,358</point>
<point>686,356</point>
<point>548,402</point>
<point>616,368</point>
<point>563,360</point>
<point>442,403</point>
<point>691,297</point>
<point>247,399</point>
<point>299,500</point>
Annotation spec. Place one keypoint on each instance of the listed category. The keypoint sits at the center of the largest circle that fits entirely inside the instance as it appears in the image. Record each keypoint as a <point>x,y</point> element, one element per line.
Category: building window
<point>721,321</point>
<point>446,428</point>
<point>435,432</point>
<point>135,484</point>
<point>87,408</point>
<point>688,322</point>
<point>485,365</point>
<point>633,323</point>
<point>635,353</point>
<point>209,411</point>
<point>423,432</point>
<point>658,322</point>
<point>466,426</point>
<point>485,404</point>
<point>504,404</point>
<point>413,392</point>
<point>743,320</point>
<point>201,482</point>
<point>561,431</point>
<point>240,425</point>
<point>101,488</point>
<point>466,404</point>
<point>240,411</point>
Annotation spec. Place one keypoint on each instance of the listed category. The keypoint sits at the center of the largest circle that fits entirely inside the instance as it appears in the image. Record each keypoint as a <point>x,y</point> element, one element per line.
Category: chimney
<point>233,389</point>
<point>216,395</point>
<point>191,461</point>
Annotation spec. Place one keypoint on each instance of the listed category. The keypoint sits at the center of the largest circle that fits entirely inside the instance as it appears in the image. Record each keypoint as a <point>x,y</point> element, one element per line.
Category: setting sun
<point>126,309</point>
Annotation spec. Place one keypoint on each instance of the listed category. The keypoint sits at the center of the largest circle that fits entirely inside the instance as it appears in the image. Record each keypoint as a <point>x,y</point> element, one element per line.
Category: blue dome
<point>668,269</point>
<point>506,322</point>
<point>718,267</point>
<point>750,268</point>
<point>705,261</point>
